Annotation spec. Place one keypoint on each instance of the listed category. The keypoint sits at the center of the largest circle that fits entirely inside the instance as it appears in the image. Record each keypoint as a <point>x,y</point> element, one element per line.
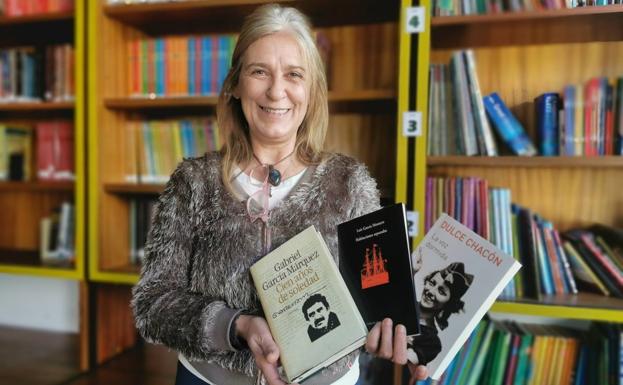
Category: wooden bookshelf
<point>64,187</point>
<point>133,188</point>
<point>24,204</point>
<point>525,161</point>
<point>336,99</point>
<point>36,106</point>
<point>576,25</point>
<point>40,18</point>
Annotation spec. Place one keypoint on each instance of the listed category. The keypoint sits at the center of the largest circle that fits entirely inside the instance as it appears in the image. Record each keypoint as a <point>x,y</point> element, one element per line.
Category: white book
<point>459,276</point>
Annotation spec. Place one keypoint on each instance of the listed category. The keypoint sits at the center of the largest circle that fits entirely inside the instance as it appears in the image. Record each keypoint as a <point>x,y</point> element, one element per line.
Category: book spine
<point>547,123</point>
<point>564,261</point>
<point>507,126</point>
<point>618,125</point>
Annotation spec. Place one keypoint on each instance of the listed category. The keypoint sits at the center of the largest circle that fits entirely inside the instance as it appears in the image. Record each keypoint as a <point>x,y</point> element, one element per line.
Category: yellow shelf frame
<point>94,272</point>
<point>78,272</point>
<point>557,311</point>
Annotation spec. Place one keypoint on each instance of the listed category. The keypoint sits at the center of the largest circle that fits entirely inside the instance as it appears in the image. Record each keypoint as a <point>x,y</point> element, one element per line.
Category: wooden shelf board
<point>145,103</point>
<point>27,262</point>
<point>584,306</point>
<point>523,16</point>
<point>134,188</point>
<point>525,161</point>
<point>37,186</point>
<point>576,25</point>
<point>37,18</point>
<point>228,15</point>
<point>36,106</point>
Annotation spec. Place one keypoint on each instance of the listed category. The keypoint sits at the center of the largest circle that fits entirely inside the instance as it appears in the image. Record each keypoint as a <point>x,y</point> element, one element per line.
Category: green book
<point>481,356</point>
<point>501,358</point>
<point>523,360</point>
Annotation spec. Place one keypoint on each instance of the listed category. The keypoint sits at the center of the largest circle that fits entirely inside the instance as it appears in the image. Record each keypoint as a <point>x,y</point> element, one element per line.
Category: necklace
<point>274,175</point>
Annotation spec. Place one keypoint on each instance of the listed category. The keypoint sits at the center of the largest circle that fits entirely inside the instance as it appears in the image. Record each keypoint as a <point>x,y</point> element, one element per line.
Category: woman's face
<point>274,88</point>
<point>435,294</point>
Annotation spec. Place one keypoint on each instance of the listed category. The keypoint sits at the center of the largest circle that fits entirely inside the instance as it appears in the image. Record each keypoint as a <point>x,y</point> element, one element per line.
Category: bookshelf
<point>520,56</point>
<point>24,203</point>
<point>362,97</point>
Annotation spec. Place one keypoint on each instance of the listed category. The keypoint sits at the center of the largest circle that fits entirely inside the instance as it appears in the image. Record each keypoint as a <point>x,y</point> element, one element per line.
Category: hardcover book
<point>309,310</point>
<point>458,276</point>
<point>376,265</point>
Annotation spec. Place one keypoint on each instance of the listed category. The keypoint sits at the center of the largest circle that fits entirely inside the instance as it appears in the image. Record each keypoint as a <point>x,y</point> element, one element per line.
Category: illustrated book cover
<point>309,310</point>
<point>458,276</point>
<point>376,265</point>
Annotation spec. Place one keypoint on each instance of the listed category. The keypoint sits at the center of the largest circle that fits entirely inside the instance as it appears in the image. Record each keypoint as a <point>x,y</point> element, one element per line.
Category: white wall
<point>39,303</point>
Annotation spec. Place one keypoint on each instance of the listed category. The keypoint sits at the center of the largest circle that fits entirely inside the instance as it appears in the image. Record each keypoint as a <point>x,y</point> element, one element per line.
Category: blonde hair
<point>233,126</point>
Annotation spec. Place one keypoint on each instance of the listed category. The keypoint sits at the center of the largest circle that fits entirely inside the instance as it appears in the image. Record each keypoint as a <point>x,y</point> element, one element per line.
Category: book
<point>460,276</point>
<point>307,305</point>
<point>375,263</point>
<point>509,128</point>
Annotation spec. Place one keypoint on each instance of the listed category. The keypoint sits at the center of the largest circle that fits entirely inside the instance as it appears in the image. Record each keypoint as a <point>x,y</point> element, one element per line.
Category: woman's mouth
<point>275,111</point>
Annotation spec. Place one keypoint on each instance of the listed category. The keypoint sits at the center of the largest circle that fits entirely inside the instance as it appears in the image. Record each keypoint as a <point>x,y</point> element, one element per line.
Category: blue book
<point>569,121</point>
<point>206,64</point>
<point>545,267</point>
<point>546,106</point>
<point>160,70</point>
<point>509,128</point>
<point>223,60</point>
<point>191,66</point>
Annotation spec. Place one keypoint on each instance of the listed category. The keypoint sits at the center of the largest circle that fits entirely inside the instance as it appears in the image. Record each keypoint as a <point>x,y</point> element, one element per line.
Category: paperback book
<point>375,263</point>
<point>458,276</point>
<point>309,310</point>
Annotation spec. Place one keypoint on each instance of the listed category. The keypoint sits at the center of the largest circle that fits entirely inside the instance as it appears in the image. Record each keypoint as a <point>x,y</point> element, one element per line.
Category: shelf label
<point>412,123</point>
<point>412,223</point>
<point>415,21</point>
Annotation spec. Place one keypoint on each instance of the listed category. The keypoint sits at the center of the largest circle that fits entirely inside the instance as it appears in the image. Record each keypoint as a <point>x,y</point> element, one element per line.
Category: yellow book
<point>308,307</point>
<point>130,155</point>
<point>536,361</point>
<point>176,130</point>
<point>556,349</point>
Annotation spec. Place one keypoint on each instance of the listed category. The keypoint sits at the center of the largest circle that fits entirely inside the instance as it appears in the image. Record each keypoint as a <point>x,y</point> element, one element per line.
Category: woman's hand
<point>261,343</point>
<point>386,342</point>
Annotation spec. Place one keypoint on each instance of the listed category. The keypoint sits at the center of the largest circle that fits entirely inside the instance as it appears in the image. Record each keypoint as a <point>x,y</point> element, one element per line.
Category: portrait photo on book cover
<point>440,294</point>
<point>319,316</point>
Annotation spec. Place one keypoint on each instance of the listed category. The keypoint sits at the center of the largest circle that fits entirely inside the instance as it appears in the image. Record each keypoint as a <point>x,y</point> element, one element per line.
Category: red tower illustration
<point>373,272</point>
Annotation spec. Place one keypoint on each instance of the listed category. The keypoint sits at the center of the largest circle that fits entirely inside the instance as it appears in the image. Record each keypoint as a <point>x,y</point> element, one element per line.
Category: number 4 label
<point>415,19</point>
<point>412,123</point>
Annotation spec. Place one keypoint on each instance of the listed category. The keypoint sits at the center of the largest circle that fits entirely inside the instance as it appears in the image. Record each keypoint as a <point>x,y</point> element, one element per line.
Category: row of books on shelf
<point>52,155</point>
<point>57,236</point>
<point>17,8</point>
<point>524,354</point>
<point>553,263</point>
<point>583,120</point>
<point>29,74</point>
<point>484,7</point>
<point>155,147</point>
<point>179,65</point>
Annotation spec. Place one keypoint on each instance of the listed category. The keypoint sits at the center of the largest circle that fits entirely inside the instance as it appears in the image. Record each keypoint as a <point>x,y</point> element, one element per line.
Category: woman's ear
<point>235,93</point>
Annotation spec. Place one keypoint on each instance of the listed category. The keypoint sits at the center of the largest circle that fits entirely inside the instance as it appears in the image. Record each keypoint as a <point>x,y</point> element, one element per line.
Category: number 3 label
<point>412,123</point>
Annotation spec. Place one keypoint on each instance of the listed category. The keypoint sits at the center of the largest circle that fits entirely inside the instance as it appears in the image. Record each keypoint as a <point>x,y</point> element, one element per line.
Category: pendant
<point>274,176</point>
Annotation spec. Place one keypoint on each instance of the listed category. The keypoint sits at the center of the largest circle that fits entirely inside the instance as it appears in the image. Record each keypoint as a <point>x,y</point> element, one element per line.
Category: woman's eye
<point>296,75</point>
<point>258,72</point>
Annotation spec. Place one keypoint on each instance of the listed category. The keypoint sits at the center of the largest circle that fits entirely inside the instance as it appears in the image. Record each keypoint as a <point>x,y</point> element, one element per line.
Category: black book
<point>375,263</point>
<point>528,253</point>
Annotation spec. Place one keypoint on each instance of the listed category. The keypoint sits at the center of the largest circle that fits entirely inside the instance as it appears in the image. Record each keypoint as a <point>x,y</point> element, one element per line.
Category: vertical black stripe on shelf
<point>413,68</point>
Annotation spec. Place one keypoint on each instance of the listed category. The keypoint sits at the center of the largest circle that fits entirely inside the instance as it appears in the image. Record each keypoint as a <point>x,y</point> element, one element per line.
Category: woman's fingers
<point>400,345</point>
<point>387,337</point>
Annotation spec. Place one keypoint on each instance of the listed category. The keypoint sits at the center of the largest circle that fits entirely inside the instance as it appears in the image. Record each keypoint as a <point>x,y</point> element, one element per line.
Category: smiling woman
<point>219,213</point>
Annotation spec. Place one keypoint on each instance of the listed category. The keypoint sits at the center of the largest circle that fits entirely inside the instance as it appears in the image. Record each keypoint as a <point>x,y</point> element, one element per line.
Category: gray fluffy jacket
<point>195,276</point>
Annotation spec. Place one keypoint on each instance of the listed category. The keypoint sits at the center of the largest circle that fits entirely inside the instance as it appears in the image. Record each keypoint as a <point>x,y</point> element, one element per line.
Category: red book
<point>609,135</point>
<point>555,267</point>
<point>65,155</point>
<point>45,151</point>
<point>512,360</point>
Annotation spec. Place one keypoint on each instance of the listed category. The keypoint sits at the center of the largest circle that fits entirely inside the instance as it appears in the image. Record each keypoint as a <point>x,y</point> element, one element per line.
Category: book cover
<point>309,310</point>
<point>458,277</point>
<point>509,128</point>
<point>376,265</point>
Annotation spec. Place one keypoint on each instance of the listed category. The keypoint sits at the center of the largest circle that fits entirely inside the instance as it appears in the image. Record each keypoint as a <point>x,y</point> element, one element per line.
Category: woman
<point>440,298</point>
<point>220,212</point>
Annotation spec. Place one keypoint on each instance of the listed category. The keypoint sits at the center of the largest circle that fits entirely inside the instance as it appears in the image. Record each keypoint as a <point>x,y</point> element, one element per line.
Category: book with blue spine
<point>509,128</point>
<point>206,67</point>
<point>567,137</point>
<point>546,106</point>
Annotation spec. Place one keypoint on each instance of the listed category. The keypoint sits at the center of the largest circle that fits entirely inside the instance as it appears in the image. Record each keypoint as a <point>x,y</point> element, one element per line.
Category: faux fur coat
<point>195,275</point>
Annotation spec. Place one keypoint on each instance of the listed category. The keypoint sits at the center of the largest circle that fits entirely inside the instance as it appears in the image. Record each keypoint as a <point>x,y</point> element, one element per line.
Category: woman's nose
<point>276,89</point>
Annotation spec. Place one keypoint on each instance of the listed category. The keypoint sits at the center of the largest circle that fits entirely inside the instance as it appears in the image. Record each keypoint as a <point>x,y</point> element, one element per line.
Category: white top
<point>277,193</point>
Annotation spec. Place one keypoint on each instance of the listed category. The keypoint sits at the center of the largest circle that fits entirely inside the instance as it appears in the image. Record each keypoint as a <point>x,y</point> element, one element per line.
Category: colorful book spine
<point>547,123</point>
<point>508,126</point>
